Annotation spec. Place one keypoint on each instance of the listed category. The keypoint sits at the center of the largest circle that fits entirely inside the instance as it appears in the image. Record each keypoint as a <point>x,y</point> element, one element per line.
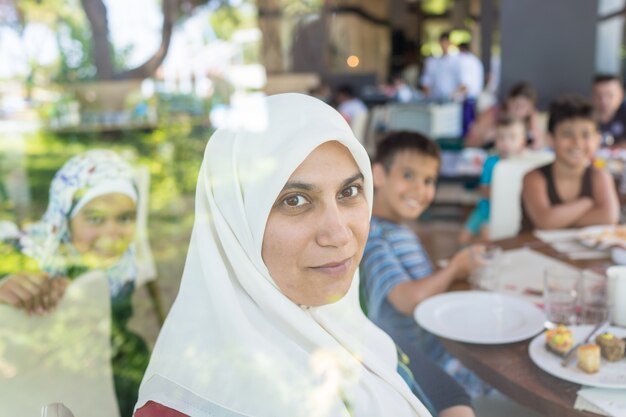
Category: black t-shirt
<point>614,131</point>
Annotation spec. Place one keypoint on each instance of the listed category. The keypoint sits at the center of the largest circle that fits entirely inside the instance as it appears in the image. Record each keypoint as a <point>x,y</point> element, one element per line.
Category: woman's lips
<point>334,268</point>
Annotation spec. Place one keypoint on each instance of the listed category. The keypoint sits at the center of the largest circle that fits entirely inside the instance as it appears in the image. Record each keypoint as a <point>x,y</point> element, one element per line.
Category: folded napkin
<point>566,241</point>
<point>603,401</point>
<point>553,236</point>
<point>521,271</point>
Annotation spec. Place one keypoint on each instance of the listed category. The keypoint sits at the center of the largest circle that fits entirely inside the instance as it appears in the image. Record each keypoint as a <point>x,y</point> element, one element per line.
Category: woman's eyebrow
<point>310,187</point>
<point>300,186</point>
<point>353,178</point>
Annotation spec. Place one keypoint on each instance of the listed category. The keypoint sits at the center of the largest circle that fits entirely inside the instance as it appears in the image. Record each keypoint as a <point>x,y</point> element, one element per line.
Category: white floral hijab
<point>232,339</point>
<point>48,241</point>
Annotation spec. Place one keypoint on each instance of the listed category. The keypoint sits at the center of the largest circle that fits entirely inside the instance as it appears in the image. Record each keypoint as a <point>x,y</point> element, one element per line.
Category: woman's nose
<point>333,228</point>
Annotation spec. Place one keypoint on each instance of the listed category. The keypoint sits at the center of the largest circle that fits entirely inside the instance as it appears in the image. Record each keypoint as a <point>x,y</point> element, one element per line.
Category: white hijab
<point>232,338</point>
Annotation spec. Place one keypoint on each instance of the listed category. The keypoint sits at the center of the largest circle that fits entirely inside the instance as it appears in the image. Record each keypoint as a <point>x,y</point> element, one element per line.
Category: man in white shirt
<point>441,78</point>
<point>472,79</point>
<point>472,74</point>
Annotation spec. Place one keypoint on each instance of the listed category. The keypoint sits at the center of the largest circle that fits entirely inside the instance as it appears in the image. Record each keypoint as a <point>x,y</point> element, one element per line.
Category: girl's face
<point>317,229</point>
<point>519,107</point>
<point>104,228</point>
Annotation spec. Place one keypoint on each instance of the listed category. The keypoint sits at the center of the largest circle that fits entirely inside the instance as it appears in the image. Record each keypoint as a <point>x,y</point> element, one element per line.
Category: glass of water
<point>594,302</point>
<point>487,278</point>
<point>561,287</point>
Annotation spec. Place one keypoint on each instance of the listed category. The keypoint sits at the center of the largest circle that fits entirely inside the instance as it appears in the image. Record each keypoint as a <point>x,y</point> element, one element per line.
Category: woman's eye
<point>408,176</point>
<point>351,191</point>
<point>429,181</point>
<point>295,201</point>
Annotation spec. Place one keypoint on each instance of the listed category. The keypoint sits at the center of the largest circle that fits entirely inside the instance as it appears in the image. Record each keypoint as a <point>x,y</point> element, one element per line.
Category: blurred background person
<point>440,78</point>
<point>608,103</point>
<point>520,103</point>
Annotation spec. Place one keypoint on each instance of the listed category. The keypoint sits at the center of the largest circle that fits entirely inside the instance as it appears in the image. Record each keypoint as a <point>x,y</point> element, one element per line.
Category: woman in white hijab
<point>267,320</point>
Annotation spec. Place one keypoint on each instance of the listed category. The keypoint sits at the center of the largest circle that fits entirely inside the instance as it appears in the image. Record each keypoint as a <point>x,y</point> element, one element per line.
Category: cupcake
<point>611,347</point>
<point>559,340</point>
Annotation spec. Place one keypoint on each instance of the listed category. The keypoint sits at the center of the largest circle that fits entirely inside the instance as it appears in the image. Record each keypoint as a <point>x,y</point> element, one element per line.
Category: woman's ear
<point>379,174</point>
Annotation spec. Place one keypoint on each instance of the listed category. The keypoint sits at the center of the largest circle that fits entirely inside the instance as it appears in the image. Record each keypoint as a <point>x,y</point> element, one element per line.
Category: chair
<point>506,190</point>
<point>434,120</point>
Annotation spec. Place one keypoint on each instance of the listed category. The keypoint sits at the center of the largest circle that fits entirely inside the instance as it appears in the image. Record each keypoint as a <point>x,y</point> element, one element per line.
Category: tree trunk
<point>270,19</point>
<point>102,50</point>
<point>96,13</point>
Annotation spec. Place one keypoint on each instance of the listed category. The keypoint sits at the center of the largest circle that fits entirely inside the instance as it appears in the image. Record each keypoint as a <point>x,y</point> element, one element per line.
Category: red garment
<point>152,409</point>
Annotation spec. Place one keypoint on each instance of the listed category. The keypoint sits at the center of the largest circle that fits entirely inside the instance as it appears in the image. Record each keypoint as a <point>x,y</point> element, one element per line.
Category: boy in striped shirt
<point>396,272</point>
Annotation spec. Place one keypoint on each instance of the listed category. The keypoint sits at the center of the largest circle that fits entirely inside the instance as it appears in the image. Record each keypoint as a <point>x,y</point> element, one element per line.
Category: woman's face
<point>103,229</point>
<point>317,228</point>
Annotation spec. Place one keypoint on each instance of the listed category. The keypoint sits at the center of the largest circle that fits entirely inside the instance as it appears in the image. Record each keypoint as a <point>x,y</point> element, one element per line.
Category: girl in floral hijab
<point>89,224</point>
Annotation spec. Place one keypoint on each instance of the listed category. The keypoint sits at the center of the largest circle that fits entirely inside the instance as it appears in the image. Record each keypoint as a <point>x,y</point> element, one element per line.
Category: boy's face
<point>511,139</point>
<point>408,188</point>
<point>575,141</point>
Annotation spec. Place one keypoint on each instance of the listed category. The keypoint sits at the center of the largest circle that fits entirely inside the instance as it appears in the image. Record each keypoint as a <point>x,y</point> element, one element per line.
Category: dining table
<point>509,368</point>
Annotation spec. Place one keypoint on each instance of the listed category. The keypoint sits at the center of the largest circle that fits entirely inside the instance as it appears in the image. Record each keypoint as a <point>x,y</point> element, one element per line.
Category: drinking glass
<point>560,294</point>
<point>487,277</point>
<point>594,304</point>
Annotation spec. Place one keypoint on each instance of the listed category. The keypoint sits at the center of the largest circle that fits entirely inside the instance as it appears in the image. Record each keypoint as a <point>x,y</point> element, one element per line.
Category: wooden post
<point>360,28</point>
<point>270,17</point>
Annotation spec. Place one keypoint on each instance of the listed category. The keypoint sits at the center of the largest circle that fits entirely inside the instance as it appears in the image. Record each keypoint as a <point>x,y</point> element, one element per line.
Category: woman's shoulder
<point>154,409</point>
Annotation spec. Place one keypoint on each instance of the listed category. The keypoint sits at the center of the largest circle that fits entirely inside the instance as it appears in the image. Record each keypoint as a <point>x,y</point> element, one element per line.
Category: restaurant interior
<point>519,250</point>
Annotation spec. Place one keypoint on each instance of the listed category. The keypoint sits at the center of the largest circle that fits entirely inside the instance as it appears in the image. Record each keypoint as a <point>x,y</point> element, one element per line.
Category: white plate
<point>610,375</point>
<point>600,237</point>
<point>480,317</point>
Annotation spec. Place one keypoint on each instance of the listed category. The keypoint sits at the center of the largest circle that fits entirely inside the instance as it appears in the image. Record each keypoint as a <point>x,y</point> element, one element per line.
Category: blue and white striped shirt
<point>393,255</point>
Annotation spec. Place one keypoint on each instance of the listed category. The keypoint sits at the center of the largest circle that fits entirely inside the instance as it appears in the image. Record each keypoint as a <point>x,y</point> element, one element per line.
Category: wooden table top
<point>509,368</point>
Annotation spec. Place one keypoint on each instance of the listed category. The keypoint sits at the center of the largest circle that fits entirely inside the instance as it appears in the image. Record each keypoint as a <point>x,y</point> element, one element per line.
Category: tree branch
<point>170,11</point>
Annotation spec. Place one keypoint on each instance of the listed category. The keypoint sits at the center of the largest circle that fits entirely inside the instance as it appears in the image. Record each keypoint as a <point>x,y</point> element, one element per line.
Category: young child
<point>396,271</point>
<point>510,142</point>
<point>570,192</point>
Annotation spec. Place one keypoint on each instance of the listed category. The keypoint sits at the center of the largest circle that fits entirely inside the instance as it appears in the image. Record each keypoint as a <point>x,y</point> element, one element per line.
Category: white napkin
<point>552,236</point>
<point>521,272</point>
<point>63,357</point>
<point>603,401</point>
<point>566,241</point>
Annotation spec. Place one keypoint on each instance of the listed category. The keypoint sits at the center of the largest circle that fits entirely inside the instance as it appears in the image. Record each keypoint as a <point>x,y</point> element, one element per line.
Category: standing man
<point>610,110</point>
<point>472,78</point>
<point>441,80</point>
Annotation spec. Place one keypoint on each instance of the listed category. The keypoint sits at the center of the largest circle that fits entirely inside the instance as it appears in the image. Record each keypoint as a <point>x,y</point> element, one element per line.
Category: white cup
<point>617,293</point>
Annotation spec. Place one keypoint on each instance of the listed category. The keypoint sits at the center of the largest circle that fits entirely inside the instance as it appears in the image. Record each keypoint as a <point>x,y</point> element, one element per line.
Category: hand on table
<point>467,261</point>
<point>34,293</point>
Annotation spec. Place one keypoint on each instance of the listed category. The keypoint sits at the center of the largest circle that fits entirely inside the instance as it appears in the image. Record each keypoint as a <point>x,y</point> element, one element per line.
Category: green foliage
<point>295,7</point>
<point>436,6</point>
<point>173,154</point>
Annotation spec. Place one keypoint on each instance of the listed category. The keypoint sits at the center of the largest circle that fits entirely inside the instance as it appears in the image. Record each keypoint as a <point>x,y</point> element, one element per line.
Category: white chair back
<point>506,190</point>
<point>359,126</point>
